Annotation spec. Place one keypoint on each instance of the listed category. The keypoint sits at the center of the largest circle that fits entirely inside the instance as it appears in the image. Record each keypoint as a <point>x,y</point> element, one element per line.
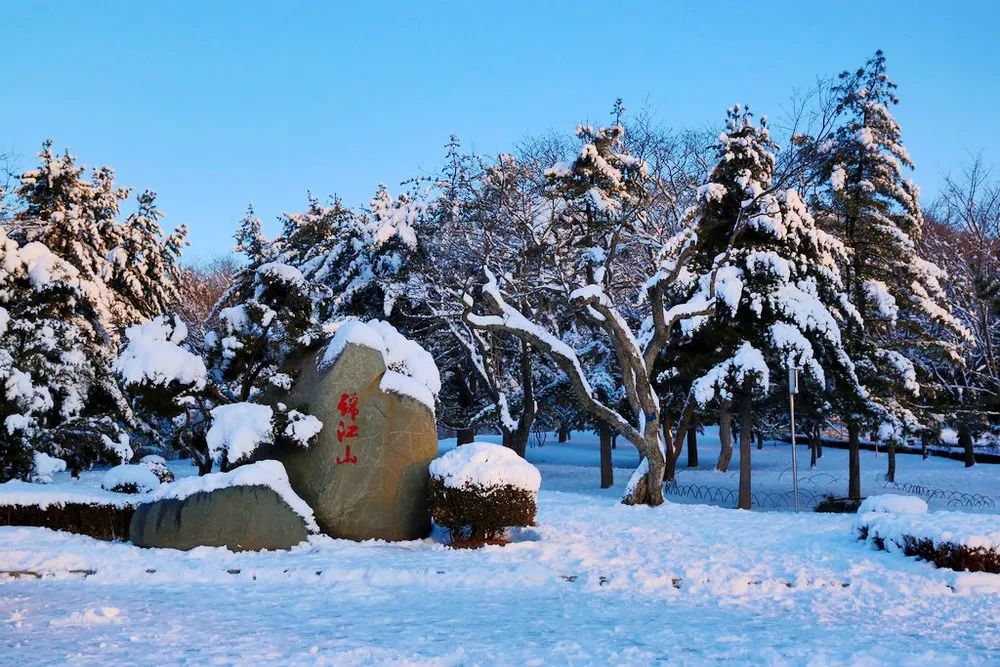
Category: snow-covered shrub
<point>480,489</point>
<point>891,503</point>
<point>45,467</point>
<point>158,465</point>
<point>954,540</point>
<point>98,520</point>
<point>130,478</point>
<point>239,429</point>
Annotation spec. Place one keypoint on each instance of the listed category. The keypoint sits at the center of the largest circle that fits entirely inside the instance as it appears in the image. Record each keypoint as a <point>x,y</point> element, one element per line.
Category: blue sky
<point>215,104</point>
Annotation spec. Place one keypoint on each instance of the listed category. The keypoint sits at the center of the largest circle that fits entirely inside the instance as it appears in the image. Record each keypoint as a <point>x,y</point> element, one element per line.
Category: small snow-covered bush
<point>130,478</point>
<point>158,465</point>
<point>954,540</point>
<point>891,503</point>
<point>45,467</point>
<point>480,489</point>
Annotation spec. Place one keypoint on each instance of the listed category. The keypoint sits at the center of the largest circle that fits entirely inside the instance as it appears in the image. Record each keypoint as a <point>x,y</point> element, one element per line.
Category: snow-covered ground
<point>594,583</point>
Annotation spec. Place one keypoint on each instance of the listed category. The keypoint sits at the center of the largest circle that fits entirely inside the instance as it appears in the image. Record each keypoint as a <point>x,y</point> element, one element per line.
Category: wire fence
<point>950,497</point>
<point>725,496</point>
<point>808,499</point>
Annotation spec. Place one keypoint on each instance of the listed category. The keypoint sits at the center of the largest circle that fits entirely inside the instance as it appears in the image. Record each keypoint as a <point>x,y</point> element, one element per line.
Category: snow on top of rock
<point>154,355</point>
<point>411,369</point>
<point>262,473</point>
<point>141,476</point>
<point>485,464</point>
<point>238,429</point>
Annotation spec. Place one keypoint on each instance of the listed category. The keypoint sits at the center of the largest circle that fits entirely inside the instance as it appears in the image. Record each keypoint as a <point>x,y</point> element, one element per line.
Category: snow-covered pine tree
<point>59,397</point>
<point>875,211</point>
<point>144,270</point>
<point>277,314</point>
<point>779,299</point>
<point>130,268</point>
<point>250,239</point>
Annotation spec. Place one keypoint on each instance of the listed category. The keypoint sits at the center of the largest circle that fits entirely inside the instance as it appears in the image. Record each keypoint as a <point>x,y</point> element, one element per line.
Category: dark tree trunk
<point>670,460</point>
<point>518,438</point>
<point>614,441</point>
<point>725,438</point>
<point>819,441</point>
<point>563,434</point>
<point>854,466</point>
<point>692,447</point>
<point>814,445</point>
<point>607,471</point>
<point>204,466</point>
<point>890,472</point>
<point>760,440</point>
<point>746,446</point>
<point>965,442</point>
<point>466,401</point>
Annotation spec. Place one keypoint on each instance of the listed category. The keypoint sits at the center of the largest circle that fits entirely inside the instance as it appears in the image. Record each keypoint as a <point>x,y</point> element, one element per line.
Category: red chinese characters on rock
<point>348,409</point>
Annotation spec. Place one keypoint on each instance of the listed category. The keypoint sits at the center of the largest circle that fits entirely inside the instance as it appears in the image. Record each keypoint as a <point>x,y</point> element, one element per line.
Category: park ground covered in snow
<point>594,582</point>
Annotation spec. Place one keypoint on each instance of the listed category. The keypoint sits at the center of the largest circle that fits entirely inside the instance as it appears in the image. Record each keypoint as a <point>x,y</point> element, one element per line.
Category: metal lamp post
<point>793,388</point>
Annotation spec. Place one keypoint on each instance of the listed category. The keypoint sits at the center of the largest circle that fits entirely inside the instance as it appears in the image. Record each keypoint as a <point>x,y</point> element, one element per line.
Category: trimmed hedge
<point>950,555</point>
<point>475,515</point>
<point>833,505</point>
<point>103,522</point>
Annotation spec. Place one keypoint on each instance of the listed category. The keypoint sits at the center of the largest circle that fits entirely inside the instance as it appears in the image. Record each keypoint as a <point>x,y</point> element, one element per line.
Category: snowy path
<point>594,583</point>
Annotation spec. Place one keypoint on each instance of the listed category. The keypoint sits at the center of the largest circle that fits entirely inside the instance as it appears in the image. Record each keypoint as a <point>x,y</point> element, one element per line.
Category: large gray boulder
<point>242,518</point>
<point>366,475</point>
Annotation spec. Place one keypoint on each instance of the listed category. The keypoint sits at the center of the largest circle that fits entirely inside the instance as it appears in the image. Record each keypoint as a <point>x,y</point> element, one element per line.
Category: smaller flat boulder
<point>248,509</point>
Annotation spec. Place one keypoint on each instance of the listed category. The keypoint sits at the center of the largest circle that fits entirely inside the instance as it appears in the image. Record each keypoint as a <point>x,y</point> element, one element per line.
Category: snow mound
<point>262,473</point>
<point>238,429</point>
<point>411,369</point>
<point>138,475</point>
<point>45,467</point>
<point>485,464</point>
<point>893,504</point>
